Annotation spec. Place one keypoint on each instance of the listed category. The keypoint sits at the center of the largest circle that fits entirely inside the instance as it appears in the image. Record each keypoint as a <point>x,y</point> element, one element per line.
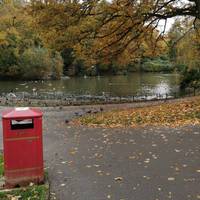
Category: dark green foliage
<point>57,65</point>
<point>79,65</point>
<point>8,57</point>
<point>191,79</point>
<point>39,63</point>
<point>68,59</point>
<point>35,63</point>
<point>9,63</point>
<point>160,64</point>
<point>21,53</point>
<point>180,67</point>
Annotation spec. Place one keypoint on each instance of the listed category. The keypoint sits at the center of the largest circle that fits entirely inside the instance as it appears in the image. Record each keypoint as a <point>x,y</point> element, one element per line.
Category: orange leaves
<point>169,114</point>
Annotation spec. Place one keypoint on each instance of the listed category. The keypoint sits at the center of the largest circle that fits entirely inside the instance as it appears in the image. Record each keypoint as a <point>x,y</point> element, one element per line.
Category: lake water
<point>132,84</point>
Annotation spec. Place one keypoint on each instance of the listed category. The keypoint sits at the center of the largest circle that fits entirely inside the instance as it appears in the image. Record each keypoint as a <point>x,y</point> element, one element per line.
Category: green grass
<point>30,193</point>
<point>1,166</point>
<point>35,192</point>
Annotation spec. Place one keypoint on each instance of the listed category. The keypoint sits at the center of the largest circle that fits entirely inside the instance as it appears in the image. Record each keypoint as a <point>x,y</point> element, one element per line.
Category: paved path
<point>120,164</point>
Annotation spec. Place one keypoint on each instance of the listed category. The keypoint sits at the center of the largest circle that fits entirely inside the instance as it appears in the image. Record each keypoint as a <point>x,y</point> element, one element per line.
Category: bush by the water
<point>56,65</point>
<point>156,64</point>
<point>33,63</point>
<point>160,64</point>
<point>191,78</point>
<point>38,63</point>
<point>22,52</point>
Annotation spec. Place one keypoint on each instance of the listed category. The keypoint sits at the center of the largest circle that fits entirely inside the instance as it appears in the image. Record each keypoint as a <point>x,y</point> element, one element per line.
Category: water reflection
<point>132,84</point>
<point>162,88</point>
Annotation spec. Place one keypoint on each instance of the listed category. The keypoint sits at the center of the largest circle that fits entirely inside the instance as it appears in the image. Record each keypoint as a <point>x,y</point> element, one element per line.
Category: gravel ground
<point>151,163</point>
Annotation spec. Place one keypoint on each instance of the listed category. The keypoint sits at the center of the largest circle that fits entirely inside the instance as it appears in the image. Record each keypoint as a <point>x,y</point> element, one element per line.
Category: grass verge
<point>35,192</point>
<point>1,166</point>
<point>169,114</point>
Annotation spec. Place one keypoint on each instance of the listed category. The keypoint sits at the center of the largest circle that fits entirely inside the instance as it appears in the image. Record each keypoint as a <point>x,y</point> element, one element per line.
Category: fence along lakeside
<point>64,99</point>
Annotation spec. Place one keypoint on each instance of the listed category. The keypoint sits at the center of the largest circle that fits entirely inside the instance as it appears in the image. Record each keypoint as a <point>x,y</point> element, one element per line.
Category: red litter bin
<point>23,148</point>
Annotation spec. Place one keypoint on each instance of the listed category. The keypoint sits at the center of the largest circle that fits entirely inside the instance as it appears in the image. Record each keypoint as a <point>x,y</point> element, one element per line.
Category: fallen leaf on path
<point>171,178</point>
<point>118,178</point>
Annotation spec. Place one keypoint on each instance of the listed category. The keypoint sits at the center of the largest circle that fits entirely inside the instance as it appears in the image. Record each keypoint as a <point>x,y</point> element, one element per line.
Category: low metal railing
<point>64,98</point>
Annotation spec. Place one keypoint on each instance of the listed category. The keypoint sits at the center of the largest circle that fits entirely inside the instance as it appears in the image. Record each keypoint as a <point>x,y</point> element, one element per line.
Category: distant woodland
<point>46,39</point>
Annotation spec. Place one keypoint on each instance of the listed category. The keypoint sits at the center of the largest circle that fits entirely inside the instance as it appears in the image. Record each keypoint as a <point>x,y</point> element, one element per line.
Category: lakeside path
<point>149,163</point>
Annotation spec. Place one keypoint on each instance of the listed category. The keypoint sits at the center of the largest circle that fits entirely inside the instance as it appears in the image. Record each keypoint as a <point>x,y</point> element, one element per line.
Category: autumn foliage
<point>94,35</point>
<point>169,114</point>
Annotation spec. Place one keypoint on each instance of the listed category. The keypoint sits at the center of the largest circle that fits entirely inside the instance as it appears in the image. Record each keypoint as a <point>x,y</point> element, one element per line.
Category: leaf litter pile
<point>169,114</point>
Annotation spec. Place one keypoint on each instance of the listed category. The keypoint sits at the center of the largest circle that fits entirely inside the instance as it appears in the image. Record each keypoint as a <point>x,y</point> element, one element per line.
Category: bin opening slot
<point>22,124</point>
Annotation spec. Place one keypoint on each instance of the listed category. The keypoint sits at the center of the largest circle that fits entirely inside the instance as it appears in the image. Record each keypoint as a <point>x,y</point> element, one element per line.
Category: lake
<point>149,84</point>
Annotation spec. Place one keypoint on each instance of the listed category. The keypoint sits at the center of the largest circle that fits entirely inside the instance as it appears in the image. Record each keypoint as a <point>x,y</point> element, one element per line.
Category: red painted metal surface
<point>23,148</point>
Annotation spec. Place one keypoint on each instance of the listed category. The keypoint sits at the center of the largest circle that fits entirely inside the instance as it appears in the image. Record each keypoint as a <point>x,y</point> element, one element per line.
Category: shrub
<point>8,62</point>
<point>180,67</point>
<point>57,65</point>
<point>157,65</point>
<point>36,63</point>
<point>191,79</point>
<point>68,59</point>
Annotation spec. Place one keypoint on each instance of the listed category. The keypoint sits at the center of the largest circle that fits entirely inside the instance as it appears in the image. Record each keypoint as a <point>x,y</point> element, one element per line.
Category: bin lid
<point>21,112</point>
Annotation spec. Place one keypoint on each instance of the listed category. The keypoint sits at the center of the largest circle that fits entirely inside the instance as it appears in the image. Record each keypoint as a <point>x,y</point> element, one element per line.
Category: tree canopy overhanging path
<point>134,163</point>
<point>113,27</point>
<point>41,40</point>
